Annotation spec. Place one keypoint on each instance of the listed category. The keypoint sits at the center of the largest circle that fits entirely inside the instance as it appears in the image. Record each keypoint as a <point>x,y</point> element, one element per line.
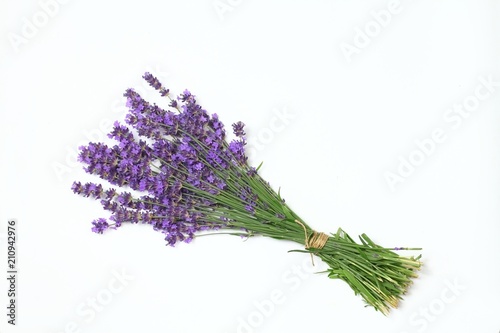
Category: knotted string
<point>316,241</point>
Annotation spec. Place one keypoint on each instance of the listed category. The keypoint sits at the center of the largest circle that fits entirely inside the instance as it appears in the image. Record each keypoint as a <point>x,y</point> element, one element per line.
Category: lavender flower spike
<point>179,174</point>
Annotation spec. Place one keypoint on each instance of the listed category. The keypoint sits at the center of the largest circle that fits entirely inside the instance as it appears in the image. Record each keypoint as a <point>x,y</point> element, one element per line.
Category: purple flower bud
<point>238,129</point>
<point>100,225</point>
<point>152,81</point>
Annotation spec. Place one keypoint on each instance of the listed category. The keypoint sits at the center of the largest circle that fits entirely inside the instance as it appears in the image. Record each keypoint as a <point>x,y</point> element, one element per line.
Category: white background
<point>330,127</point>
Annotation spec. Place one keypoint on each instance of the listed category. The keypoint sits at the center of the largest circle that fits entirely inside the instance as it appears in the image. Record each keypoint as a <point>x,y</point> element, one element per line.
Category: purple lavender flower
<point>238,129</point>
<point>252,172</point>
<point>185,96</point>
<point>237,149</point>
<point>178,174</point>
<point>77,188</point>
<point>249,208</point>
<point>100,225</point>
<point>153,82</point>
<point>179,160</point>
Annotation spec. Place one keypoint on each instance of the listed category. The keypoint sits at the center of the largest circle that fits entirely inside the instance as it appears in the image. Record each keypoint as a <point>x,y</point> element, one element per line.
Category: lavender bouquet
<point>191,180</point>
